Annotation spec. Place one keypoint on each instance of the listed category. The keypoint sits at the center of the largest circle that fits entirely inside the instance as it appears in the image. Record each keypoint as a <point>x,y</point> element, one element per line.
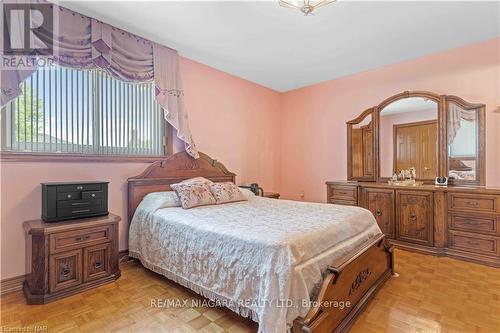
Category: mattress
<point>262,258</point>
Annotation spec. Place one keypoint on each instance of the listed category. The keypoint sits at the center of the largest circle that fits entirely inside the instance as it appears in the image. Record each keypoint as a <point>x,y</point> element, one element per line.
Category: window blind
<point>63,110</point>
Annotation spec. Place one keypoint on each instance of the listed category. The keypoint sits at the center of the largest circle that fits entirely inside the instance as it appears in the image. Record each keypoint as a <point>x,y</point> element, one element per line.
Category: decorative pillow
<point>194,194</point>
<point>197,180</point>
<point>226,192</point>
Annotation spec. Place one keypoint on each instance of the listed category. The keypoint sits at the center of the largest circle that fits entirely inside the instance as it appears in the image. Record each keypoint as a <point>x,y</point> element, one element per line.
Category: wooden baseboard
<point>12,284</point>
<point>16,283</point>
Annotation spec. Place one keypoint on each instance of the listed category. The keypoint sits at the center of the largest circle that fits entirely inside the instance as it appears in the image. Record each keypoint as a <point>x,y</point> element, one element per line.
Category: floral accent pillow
<point>194,194</point>
<point>226,192</point>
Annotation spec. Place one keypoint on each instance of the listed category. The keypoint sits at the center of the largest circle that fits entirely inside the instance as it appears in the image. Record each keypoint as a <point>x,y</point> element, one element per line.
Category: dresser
<point>66,258</point>
<point>460,222</point>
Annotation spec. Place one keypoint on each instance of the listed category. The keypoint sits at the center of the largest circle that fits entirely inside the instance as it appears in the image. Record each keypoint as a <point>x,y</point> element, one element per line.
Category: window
<point>87,112</point>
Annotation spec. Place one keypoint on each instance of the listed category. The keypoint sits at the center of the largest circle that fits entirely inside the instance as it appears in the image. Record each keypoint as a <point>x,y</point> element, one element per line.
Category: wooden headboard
<point>176,168</point>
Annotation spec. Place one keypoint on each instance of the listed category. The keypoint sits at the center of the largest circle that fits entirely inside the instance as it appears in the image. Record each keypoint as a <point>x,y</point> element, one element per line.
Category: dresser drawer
<point>343,202</point>
<point>480,223</point>
<point>64,241</point>
<point>78,187</point>
<point>473,202</point>
<point>343,193</point>
<point>473,243</point>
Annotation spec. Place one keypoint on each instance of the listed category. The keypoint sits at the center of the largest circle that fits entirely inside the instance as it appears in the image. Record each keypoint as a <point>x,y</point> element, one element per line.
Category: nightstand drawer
<point>487,224</point>
<point>65,270</point>
<point>63,241</point>
<point>473,202</point>
<point>473,243</point>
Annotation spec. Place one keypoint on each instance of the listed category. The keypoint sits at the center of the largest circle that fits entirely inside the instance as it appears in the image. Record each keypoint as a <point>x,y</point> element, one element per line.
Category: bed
<point>288,265</point>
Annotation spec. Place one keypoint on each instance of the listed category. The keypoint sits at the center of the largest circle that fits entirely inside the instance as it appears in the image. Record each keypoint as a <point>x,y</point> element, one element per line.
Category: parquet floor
<point>430,295</point>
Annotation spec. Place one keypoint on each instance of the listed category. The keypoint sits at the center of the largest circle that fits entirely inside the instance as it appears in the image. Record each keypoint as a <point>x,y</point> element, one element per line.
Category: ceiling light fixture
<point>305,6</point>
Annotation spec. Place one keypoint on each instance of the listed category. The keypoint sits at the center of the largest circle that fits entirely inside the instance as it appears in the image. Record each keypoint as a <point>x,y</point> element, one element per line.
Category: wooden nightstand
<point>65,258</point>
<point>273,195</point>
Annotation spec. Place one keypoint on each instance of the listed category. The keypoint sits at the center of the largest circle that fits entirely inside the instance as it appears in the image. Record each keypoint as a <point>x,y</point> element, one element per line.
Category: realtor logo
<point>27,29</point>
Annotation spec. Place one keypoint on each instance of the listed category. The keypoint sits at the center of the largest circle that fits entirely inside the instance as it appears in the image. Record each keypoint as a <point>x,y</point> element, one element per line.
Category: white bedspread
<point>254,256</point>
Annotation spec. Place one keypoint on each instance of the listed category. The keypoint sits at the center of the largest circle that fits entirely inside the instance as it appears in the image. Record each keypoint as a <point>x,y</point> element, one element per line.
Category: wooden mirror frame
<point>442,158</point>
<point>350,124</point>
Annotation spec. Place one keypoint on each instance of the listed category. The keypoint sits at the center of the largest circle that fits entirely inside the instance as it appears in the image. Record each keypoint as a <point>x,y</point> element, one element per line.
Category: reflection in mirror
<point>361,148</point>
<point>409,138</point>
<point>463,126</point>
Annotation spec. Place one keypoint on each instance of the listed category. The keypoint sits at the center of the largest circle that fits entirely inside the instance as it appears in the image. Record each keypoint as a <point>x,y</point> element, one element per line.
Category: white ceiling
<point>411,104</point>
<point>281,49</point>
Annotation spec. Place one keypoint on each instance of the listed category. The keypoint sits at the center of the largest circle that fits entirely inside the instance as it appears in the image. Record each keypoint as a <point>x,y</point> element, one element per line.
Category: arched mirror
<point>408,138</point>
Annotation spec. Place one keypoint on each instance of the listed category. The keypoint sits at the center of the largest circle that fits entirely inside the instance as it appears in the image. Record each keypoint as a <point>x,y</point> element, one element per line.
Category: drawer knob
<point>473,203</point>
<point>93,195</point>
<point>412,217</point>
<point>97,265</point>
<point>79,187</point>
<point>68,196</point>
<point>65,272</point>
<point>378,212</point>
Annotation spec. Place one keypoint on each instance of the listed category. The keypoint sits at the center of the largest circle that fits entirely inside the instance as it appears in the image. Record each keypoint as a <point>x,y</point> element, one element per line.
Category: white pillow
<point>160,200</point>
<point>247,193</point>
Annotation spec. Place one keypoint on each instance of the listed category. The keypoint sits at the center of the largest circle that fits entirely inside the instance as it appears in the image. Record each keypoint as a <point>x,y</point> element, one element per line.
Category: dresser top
<point>40,227</point>
<point>451,188</point>
<point>73,183</point>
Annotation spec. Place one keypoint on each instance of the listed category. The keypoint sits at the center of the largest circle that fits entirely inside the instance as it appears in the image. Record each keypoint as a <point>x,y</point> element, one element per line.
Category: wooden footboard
<point>348,288</point>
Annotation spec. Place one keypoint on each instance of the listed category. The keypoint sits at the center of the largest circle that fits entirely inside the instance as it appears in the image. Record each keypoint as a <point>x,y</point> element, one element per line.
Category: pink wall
<point>386,136</point>
<point>232,120</point>
<point>291,142</point>
<point>313,132</point>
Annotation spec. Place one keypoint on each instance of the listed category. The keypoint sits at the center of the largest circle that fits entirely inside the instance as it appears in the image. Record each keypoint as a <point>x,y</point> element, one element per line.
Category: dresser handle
<point>68,196</point>
<point>473,203</point>
<point>80,211</point>
<point>97,265</point>
<point>472,243</point>
<point>469,222</point>
<point>79,187</point>
<point>412,217</point>
<point>378,212</point>
<point>343,193</point>
<point>93,195</point>
<point>81,238</point>
<point>65,272</point>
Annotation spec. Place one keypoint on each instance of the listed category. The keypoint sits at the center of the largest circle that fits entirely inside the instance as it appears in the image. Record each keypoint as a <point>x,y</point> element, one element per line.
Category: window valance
<point>85,43</point>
